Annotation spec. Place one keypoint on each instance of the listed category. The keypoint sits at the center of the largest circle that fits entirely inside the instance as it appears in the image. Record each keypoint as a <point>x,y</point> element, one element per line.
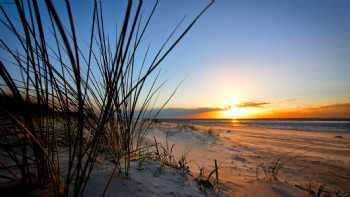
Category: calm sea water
<point>308,125</point>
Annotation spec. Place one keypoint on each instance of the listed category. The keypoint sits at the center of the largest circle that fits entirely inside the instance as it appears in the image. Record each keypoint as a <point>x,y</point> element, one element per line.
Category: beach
<point>304,160</point>
<point>175,98</point>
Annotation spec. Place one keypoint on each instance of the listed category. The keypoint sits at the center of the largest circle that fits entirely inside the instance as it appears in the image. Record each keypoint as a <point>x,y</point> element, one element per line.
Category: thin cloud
<point>183,112</point>
<point>253,104</point>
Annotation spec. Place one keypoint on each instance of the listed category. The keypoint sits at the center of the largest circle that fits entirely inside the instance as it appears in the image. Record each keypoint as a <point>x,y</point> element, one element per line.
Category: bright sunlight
<point>234,111</point>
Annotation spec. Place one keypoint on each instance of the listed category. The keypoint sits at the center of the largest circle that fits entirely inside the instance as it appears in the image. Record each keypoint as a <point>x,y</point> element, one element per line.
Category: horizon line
<point>295,119</point>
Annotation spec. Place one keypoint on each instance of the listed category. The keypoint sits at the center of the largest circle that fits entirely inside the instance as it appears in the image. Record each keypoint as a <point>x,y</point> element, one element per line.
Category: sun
<point>233,111</point>
<point>231,102</point>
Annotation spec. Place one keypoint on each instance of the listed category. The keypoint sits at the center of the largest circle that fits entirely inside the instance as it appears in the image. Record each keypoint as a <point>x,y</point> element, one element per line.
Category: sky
<point>248,58</point>
<point>294,56</point>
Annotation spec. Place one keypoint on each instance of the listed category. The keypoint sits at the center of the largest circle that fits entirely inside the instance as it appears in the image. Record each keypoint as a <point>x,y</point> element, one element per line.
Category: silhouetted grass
<point>96,92</point>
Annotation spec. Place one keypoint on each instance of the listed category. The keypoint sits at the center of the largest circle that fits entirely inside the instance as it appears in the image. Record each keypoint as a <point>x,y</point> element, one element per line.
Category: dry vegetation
<point>89,102</point>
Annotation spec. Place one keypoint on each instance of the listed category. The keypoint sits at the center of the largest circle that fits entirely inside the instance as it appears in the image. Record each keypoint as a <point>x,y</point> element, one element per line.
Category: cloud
<point>336,110</point>
<point>203,112</point>
<point>186,112</point>
<point>252,104</point>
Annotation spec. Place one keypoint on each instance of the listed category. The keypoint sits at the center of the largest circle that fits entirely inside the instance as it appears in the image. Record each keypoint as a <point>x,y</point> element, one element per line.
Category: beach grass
<point>89,101</point>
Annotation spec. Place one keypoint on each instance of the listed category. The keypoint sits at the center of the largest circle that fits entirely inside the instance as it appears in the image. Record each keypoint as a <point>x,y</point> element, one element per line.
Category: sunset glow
<point>236,112</point>
<point>281,54</point>
<point>233,111</point>
<point>175,98</point>
<point>256,110</point>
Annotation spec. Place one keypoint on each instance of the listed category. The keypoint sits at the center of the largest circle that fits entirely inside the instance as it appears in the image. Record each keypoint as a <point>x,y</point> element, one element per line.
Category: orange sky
<point>245,111</point>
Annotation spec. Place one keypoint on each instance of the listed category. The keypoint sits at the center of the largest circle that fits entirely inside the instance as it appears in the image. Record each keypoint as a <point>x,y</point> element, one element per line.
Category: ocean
<point>304,125</point>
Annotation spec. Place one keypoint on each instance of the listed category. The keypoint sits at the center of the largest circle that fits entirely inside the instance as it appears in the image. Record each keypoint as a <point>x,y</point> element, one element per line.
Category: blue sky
<point>285,52</point>
<point>267,50</point>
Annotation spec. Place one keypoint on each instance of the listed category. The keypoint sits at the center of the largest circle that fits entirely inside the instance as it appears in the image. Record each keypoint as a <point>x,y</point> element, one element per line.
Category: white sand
<point>149,180</point>
<point>308,157</point>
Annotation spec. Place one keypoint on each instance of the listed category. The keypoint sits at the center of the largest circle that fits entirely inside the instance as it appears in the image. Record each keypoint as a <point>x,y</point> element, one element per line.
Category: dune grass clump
<point>208,181</point>
<point>87,100</point>
<point>321,190</point>
<point>165,155</point>
<point>270,171</point>
<point>211,132</point>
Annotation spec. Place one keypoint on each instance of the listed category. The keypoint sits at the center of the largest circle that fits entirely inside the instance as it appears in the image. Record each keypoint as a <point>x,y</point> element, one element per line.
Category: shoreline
<point>251,119</point>
<point>330,126</point>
